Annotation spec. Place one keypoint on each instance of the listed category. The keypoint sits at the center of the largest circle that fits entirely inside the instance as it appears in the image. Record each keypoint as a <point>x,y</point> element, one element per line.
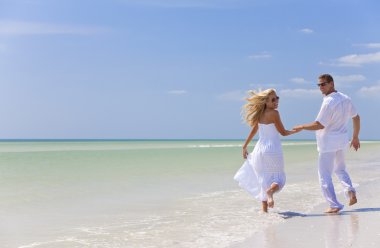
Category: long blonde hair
<point>254,109</point>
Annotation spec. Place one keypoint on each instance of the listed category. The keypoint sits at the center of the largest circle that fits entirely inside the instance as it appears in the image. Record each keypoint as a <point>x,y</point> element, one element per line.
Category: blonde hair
<point>254,109</point>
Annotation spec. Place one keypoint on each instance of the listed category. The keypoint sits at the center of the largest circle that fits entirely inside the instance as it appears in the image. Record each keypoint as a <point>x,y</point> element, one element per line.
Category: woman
<point>263,174</point>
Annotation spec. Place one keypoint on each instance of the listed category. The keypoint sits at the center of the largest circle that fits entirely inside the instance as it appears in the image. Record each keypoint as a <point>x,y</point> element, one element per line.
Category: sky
<point>180,69</point>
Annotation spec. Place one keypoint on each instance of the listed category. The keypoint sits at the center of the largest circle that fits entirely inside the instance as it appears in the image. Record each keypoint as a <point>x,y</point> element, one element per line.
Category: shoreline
<point>145,197</point>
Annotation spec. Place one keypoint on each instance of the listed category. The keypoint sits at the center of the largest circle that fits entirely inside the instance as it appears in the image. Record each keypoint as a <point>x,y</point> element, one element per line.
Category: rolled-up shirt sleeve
<point>324,115</point>
<point>352,110</point>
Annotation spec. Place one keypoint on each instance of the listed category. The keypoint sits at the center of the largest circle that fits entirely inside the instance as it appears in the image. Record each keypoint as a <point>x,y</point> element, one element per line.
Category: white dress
<point>265,165</point>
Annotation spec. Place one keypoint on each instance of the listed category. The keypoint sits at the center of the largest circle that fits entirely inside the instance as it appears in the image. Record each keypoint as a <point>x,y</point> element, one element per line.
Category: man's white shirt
<point>334,114</point>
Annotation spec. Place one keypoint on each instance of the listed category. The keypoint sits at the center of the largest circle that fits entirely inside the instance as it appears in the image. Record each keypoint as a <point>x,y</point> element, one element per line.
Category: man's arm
<point>313,126</point>
<point>355,135</point>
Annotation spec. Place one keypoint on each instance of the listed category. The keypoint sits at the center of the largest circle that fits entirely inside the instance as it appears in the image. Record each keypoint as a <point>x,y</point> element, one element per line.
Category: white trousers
<point>328,163</point>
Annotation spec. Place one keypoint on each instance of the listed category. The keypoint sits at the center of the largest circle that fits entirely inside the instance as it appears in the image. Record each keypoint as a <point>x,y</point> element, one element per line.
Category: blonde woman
<point>263,174</point>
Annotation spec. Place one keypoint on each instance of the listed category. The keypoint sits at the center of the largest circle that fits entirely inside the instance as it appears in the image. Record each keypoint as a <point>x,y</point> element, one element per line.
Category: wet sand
<point>354,226</point>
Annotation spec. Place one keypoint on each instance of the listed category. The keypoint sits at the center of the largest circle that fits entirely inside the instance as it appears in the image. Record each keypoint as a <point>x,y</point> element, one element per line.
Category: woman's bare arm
<point>248,140</point>
<point>279,126</point>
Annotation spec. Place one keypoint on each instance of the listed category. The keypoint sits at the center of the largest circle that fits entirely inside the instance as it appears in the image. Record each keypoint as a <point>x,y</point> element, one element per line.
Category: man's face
<point>325,86</point>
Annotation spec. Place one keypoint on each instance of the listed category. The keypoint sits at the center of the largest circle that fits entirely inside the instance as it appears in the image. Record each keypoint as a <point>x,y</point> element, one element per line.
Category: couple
<point>263,174</point>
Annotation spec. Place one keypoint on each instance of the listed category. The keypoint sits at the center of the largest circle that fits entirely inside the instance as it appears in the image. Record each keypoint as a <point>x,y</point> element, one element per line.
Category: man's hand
<point>355,143</point>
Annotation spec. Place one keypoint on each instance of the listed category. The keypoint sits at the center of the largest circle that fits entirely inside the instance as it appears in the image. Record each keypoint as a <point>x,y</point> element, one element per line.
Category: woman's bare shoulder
<point>273,112</point>
<point>270,116</point>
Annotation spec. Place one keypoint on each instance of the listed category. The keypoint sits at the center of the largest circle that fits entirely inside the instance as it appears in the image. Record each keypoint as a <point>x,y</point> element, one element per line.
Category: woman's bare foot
<point>270,198</point>
<point>332,210</point>
<point>265,206</point>
<point>273,188</point>
<point>353,198</point>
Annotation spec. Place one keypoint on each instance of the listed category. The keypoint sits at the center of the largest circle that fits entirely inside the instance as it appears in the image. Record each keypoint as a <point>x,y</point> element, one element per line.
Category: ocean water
<point>149,193</point>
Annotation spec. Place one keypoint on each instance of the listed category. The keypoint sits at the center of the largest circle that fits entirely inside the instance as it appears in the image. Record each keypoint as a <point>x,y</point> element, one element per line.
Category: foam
<point>214,219</point>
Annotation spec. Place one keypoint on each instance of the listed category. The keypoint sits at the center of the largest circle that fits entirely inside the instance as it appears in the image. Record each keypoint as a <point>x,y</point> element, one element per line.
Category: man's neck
<point>328,93</point>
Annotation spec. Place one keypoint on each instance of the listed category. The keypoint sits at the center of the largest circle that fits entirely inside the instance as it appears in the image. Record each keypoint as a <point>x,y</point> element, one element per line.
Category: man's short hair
<point>326,77</point>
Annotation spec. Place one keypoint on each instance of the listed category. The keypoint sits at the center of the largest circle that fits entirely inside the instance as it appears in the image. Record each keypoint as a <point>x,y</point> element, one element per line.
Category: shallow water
<point>147,193</point>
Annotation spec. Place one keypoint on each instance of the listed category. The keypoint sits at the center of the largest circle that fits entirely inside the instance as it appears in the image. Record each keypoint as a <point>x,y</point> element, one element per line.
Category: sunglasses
<point>275,99</point>
<point>323,84</point>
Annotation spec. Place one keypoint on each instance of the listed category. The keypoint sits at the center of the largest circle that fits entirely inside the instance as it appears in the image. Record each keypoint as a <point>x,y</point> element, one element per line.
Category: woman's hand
<point>298,128</point>
<point>245,153</point>
<point>294,130</point>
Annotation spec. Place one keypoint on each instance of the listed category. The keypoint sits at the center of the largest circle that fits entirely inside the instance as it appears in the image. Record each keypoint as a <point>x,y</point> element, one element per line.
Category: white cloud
<point>177,92</point>
<point>369,45</point>
<point>237,95</point>
<point>370,91</point>
<point>301,93</point>
<point>307,31</point>
<point>41,28</point>
<point>356,60</point>
<point>344,81</point>
<point>350,78</point>
<point>263,55</point>
<point>299,80</point>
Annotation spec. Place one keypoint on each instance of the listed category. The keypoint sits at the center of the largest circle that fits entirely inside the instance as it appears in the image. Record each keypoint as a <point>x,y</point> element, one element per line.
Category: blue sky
<point>179,68</point>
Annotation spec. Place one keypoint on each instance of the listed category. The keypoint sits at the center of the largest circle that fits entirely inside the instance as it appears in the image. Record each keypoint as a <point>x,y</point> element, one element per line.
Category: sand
<point>354,226</point>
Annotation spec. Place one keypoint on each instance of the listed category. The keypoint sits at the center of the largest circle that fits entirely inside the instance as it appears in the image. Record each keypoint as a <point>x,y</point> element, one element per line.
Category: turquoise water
<point>144,193</point>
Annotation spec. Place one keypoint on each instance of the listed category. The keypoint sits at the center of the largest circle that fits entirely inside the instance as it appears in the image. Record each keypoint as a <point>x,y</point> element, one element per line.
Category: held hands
<point>298,128</point>
<point>293,131</point>
<point>355,143</point>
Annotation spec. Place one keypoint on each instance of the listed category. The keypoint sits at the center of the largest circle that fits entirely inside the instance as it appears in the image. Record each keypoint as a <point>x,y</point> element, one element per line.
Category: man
<point>332,141</point>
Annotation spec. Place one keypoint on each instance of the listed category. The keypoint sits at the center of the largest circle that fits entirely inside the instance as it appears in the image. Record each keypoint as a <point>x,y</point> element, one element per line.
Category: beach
<point>174,193</point>
<point>355,226</point>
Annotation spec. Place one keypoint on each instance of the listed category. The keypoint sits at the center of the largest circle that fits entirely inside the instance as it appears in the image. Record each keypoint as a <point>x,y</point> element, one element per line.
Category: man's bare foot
<point>270,198</point>
<point>353,198</point>
<point>332,210</point>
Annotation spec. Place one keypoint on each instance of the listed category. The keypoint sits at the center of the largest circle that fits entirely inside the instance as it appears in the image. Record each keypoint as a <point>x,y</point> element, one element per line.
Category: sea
<point>150,193</point>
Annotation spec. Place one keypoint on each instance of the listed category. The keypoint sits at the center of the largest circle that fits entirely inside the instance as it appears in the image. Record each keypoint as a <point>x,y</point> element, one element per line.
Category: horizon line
<point>144,139</point>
